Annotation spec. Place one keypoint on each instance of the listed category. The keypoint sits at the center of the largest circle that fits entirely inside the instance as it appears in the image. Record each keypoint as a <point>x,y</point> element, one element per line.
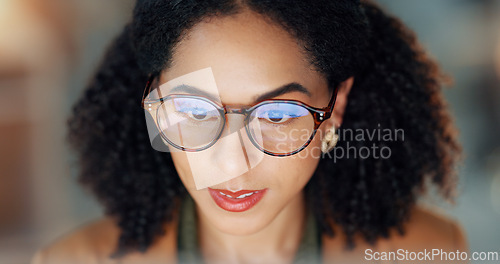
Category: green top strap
<point>188,250</point>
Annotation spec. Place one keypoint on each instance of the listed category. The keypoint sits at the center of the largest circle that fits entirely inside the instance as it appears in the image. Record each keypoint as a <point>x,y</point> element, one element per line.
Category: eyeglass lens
<point>194,123</point>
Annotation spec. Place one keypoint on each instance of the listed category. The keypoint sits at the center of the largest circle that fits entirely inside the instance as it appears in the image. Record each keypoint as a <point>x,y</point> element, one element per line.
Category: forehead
<point>248,56</point>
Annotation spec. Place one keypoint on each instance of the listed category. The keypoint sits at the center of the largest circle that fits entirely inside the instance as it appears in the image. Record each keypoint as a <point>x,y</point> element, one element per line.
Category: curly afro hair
<point>397,87</point>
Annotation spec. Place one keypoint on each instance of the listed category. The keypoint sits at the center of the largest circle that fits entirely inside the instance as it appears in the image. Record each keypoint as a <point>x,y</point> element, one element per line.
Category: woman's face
<point>249,57</point>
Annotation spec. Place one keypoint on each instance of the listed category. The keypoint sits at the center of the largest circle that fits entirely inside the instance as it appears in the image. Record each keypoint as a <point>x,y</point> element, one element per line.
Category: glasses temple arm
<point>147,89</point>
<point>331,104</point>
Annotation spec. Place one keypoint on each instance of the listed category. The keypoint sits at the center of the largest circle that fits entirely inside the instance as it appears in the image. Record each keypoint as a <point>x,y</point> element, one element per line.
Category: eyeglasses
<point>194,123</point>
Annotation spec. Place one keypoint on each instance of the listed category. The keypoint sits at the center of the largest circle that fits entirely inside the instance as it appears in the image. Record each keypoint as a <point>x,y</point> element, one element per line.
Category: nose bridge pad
<point>234,123</point>
<point>231,156</point>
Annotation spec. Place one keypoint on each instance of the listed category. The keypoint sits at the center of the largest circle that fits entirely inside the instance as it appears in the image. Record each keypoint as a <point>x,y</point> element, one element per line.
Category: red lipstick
<point>236,201</point>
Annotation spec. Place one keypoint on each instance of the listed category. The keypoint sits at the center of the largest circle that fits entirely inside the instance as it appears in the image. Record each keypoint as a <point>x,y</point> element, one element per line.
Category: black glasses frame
<point>319,115</point>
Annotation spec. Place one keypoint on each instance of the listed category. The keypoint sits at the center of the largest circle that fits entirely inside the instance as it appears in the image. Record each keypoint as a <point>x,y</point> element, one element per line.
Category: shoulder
<point>87,244</point>
<point>424,231</point>
<point>430,229</point>
<point>95,243</point>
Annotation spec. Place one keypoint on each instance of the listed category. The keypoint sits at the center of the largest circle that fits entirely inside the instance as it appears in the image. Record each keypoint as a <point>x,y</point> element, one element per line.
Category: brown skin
<point>249,57</point>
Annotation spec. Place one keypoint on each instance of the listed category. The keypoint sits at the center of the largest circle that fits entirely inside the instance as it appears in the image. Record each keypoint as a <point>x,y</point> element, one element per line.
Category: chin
<point>240,227</point>
<point>239,223</point>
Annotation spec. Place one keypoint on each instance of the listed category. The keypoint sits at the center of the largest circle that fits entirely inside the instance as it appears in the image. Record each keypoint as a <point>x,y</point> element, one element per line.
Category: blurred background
<point>50,48</point>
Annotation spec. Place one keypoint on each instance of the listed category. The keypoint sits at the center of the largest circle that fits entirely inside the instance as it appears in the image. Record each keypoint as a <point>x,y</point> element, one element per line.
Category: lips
<point>236,201</point>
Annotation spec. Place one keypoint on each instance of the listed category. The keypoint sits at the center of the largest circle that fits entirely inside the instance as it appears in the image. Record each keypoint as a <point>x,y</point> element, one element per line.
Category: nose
<point>234,153</point>
<point>231,156</point>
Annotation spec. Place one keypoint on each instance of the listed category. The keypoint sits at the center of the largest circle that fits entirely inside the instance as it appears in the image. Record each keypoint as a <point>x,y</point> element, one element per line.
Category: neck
<point>276,243</point>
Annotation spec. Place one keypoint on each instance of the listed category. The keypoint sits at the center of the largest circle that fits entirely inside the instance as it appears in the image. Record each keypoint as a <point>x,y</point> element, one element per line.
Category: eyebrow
<point>284,89</point>
<point>193,90</point>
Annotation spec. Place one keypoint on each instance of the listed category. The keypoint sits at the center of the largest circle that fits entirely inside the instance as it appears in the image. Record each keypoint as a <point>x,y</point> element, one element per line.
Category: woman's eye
<point>277,117</point>
<point>196,114</point>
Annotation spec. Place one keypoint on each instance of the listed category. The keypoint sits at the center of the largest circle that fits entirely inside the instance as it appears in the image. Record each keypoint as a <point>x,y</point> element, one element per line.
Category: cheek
<point>182,166</point>
<point>284,175</point>
<point>304,163</point>
<point>292,173</point>
<point>295,167</point>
